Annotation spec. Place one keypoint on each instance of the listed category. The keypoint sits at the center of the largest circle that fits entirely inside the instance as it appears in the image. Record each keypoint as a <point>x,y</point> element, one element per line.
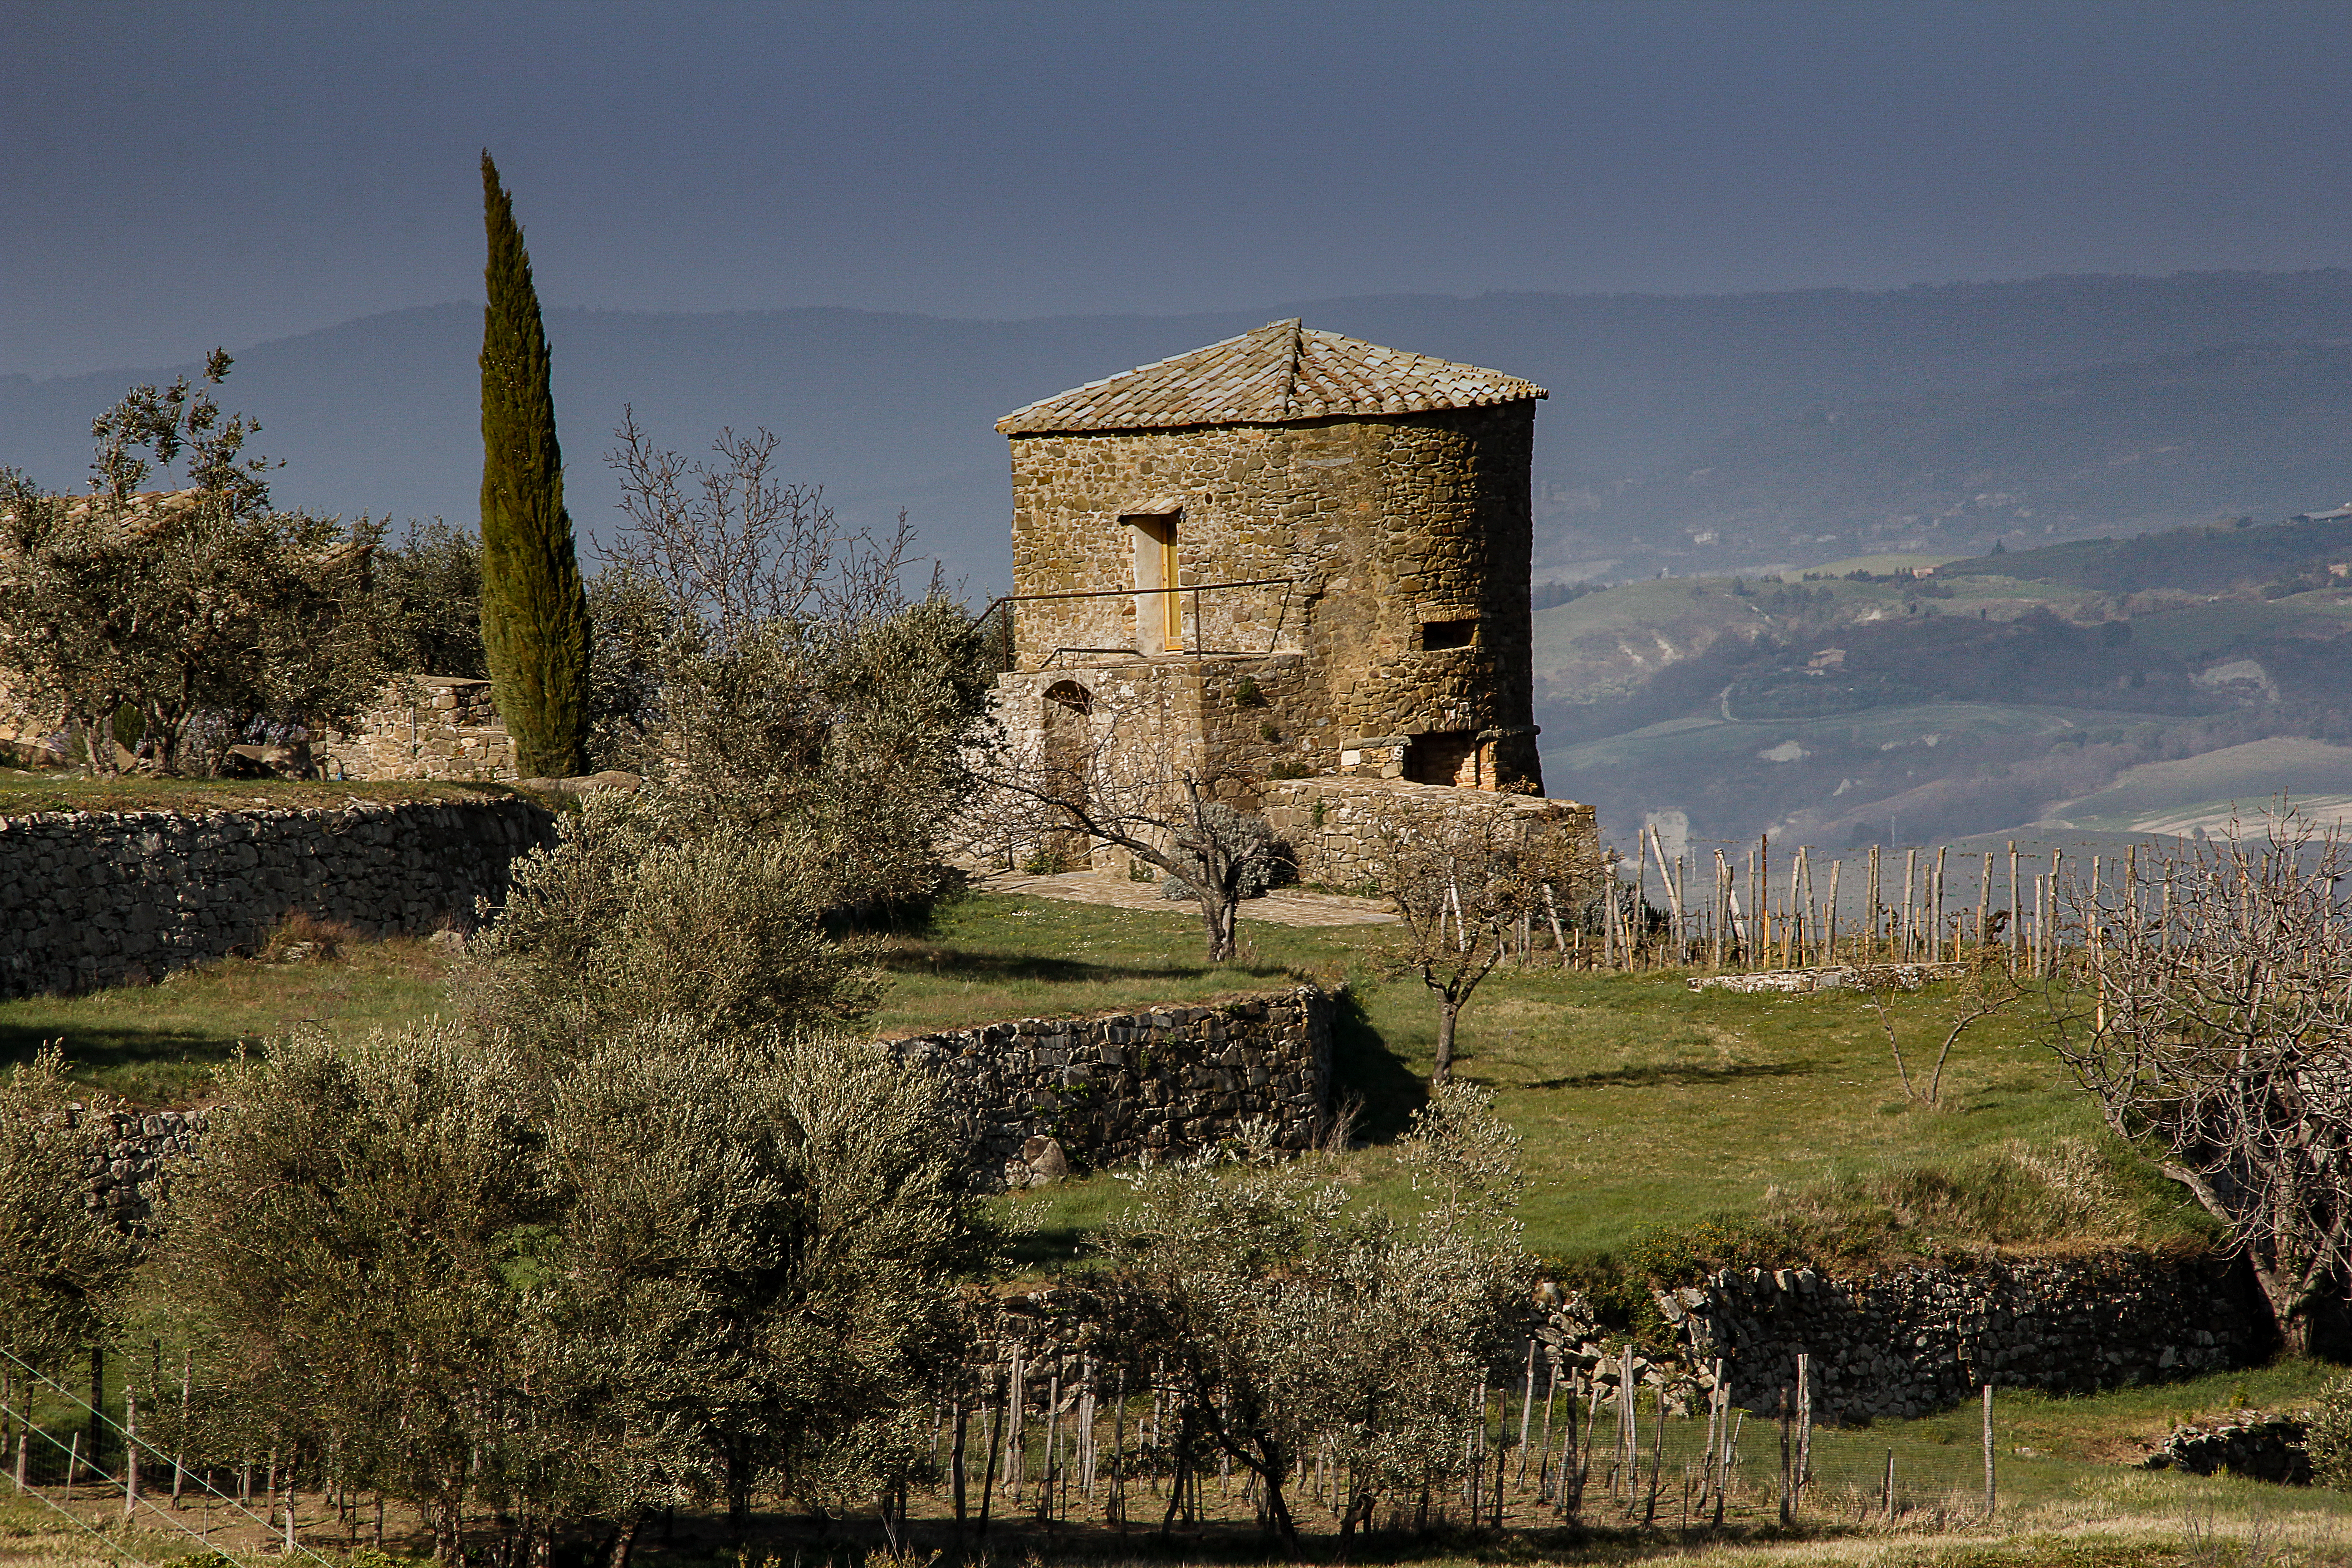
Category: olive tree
<point>198,610</point>
<point>62,1260</point>
<point>638,911</point>
<point>1098,776</point>
<point>689,1266</point>
<point>769,663</point>
<point>1280,1317</point>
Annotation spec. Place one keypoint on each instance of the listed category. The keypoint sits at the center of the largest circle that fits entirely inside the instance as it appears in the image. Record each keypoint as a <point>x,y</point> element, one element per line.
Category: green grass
<point>160,1045</point>
<point>1640,1101</point>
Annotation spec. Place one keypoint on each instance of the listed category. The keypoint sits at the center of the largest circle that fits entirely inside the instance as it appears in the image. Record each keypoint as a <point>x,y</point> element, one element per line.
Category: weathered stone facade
<point>1113,1088</point>
<point>425,727</point>
<point>95,899</point>
<point>1385,540</point>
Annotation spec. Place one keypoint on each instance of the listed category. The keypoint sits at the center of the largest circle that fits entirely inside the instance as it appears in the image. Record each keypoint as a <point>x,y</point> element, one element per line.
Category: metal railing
<point>1198,649</point>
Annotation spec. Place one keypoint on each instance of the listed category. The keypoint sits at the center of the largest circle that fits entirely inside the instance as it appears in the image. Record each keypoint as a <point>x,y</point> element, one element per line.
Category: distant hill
<point>2198,560</point>
<point>2262,430</point>
<point>890,411</point>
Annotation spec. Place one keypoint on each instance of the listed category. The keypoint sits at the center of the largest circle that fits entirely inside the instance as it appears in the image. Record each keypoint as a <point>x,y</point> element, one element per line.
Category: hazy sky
<point>174,175</point>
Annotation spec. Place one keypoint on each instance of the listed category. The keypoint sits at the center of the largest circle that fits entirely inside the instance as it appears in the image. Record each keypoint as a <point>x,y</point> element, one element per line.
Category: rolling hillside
<point>1844,712</point>
<point>1670,416</point>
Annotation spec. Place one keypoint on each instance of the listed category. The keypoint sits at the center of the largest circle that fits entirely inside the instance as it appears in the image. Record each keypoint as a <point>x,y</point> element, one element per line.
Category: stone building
<point>1285,558</point>
<point>1310,552</point>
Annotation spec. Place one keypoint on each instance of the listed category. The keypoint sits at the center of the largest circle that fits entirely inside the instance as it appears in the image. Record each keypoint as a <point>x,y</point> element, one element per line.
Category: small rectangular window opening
<point>1156,571</point>
<point>1437,635</point>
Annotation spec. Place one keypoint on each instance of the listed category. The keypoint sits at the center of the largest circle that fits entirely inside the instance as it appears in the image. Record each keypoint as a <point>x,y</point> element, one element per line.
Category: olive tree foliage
<point>1281,1320</point>
<point>564,1300</point>
<point>770,666</point>
<point>427,591</point>
<point>198,611</point>
<point>62,1263</point>
<point>1462,884</point>
<point>2212,1024</point>
<point>639,911</point>
<point>2327,1436</point>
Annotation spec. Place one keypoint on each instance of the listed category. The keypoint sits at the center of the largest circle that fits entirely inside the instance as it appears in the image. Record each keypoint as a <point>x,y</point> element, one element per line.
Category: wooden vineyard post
<point>963,1423</point>
<point>1788,1501</point>
<point>1870,939</point>
<point>1722,905</point>
<point>1527,1410</point>
<point>1987,1449</point>
<point>1761,915</point>
<point>2016,914</point>
<point>1887,1490</point>
<point>1804,1424</point>
<point>130,1451</point>
<point>2050,922</point>
<point>1984,902</point>
<point>1937,884</point>
<point>1829,933</point>
<point>1908,938</point>
<point>180,1446</point>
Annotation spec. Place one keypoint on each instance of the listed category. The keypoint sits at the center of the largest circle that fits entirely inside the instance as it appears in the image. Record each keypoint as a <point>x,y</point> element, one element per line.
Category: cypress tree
<point>534,608</point>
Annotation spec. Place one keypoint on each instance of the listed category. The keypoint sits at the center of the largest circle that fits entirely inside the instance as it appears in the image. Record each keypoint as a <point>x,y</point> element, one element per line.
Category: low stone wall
<point>103,897</point>
<point>1915,1340</point>
<point>1332,824</point>
<point>2248,1443</point>
<point>425,727</point>
<point>1835,977</point>
<point>1109,1089</point>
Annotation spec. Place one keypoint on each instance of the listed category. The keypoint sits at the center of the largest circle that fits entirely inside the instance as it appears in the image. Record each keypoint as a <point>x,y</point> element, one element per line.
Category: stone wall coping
<point>1224,1001</point>
<point>157,816</point>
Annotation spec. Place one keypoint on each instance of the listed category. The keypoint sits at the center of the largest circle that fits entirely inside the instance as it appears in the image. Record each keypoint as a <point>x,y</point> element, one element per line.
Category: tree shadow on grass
<point>147,1066</point>
<point>1363,1067</point>
<point>1678,1075</point>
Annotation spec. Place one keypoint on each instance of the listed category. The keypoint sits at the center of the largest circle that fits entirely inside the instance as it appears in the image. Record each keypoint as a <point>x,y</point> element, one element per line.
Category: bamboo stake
<point>1527,1410</point>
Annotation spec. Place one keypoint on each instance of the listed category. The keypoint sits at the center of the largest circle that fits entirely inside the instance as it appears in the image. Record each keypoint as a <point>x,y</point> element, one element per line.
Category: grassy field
<point>1640,1101</point>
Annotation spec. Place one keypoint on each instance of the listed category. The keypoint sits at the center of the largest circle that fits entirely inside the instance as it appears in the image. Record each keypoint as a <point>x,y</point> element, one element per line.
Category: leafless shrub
<point>2214,1023</point>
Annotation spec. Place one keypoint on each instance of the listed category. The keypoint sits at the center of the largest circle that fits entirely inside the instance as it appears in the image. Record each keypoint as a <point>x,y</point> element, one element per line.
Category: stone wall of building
<point>1110,1090</point>
<point>1913,1341</point>
<point>425,727</point>
<point>105,898</point>
<point>1380,529</point>
<point>1332,825</point>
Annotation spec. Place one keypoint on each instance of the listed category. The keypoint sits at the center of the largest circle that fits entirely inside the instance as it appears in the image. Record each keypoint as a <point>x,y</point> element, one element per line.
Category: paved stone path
<point>1288,907</point>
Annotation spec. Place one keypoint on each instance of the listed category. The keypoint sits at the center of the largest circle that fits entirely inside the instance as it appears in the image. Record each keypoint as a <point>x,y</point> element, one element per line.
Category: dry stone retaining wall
<point>95,899</point>
<point>1112,1089</point>
<point>1913,1341</point>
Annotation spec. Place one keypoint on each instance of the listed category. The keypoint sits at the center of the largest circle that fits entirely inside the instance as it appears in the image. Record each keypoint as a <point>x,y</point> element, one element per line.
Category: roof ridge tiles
<point>1278,373</point>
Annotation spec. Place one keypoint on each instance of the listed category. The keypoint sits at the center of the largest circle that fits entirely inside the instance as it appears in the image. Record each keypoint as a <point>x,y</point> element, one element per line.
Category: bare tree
<point>1988,990</point>
<point>2215,1024</point>
<point>1087,779</point>
<point>737,548</point>
<point>1463,883</point>
<point>761,660</point>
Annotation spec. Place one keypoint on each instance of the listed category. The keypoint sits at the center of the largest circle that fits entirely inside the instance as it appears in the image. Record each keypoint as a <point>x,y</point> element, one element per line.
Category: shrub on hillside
<point>681,1269</point>
<point>638,913</point>
<point>2328,1436</point>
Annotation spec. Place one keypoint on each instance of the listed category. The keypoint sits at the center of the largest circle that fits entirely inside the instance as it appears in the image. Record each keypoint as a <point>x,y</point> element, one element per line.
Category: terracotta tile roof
<point>1280,373</point>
